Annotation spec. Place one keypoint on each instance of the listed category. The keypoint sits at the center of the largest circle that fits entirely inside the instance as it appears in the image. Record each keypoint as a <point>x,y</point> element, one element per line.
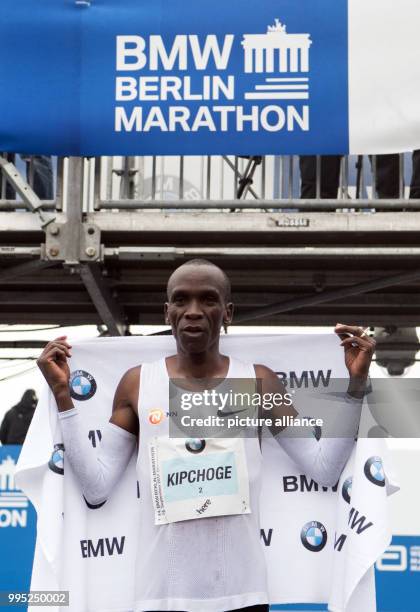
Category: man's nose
<point>194,310</point>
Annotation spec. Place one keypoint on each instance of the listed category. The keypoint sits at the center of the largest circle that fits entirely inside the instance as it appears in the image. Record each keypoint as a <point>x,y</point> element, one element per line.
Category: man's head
<point>198,305</point>
<point>29,399</point>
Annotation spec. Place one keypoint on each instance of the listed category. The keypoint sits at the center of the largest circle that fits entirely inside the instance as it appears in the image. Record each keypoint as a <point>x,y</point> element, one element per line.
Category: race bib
<point>193,479</point>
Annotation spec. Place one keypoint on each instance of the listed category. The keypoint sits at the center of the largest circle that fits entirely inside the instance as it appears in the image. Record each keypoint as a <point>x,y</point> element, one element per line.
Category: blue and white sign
<point>183,77</point>
<point>238,78</point>
<point>17,527</point>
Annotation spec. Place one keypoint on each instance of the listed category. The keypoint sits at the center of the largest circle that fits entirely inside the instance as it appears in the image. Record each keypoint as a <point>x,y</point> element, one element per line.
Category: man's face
<point>196,309</point>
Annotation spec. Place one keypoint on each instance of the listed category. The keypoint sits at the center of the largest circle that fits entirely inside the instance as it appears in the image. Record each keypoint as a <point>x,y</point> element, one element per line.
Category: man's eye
<point>179,300</point>
<point>211,299</point>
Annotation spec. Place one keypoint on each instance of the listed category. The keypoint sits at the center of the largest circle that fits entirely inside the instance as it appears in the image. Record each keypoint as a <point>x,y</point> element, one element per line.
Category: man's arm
<point>324,459</point>
<point>270,386</point>
<point>97,473</point>
<point>124,407</point>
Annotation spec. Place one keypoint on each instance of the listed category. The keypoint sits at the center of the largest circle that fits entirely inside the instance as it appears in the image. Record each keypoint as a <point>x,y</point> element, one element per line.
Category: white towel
<point>91,552</point>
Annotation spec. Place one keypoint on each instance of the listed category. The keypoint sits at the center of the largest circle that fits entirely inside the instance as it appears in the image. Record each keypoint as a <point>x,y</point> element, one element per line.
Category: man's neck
<point>209,364</point>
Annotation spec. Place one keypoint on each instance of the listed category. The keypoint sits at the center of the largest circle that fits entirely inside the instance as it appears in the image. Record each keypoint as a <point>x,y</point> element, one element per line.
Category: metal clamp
<point>59,244</point>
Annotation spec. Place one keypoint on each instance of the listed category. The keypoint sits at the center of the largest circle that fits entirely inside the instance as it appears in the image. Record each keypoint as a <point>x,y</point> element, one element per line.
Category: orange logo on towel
<point>155,416</point>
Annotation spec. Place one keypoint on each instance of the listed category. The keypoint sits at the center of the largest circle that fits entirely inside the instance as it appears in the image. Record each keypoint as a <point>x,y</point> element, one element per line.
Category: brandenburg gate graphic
<point>276,51</point>
<point>10,495</point>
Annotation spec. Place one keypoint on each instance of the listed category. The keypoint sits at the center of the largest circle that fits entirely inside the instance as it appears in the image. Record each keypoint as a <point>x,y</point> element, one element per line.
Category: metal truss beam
<point>12,205</point>
<point>329,296</point>
<point>107,307</point>
<point>28,195</point>
<point>22,344</point>
<point>162,253</point>
<point>239,175</point>
<point>25,268</point>
<point>171,253</point>
<point>62,296</point>
<point>275,205</point>
<point>199,222</point>
<point>255,223</point>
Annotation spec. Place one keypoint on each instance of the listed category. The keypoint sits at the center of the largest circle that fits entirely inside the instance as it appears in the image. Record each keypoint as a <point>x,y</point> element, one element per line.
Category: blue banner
<point>17,529</point>
<point>174,77</point>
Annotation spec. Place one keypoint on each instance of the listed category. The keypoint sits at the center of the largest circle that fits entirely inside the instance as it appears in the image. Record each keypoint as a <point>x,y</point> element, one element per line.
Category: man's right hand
<point>53,365</point>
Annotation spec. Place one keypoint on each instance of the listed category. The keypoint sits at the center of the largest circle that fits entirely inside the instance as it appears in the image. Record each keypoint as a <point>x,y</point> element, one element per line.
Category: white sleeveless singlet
<point>208,564</point>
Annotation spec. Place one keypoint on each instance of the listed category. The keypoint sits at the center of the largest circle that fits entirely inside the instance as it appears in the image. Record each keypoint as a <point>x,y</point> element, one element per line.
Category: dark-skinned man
<point>209,563</point>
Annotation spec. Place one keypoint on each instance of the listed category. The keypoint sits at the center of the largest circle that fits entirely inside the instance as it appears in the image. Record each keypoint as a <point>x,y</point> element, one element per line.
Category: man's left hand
<point>358,350</point>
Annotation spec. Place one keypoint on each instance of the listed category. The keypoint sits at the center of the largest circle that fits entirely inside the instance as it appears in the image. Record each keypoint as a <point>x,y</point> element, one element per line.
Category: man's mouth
<point>193,330</point>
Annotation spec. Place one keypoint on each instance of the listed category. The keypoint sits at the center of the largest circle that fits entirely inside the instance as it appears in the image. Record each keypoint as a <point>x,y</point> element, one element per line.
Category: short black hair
<point>206,262</point>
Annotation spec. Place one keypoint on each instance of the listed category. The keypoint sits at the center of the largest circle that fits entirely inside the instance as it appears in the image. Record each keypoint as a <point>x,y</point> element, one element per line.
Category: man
<point>387,180</point>
<point>201,563</point>
<point>16,421</point>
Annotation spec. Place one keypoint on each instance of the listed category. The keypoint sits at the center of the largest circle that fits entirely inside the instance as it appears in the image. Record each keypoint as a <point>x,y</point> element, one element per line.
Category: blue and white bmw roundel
<point>374,471</point>
<point>82,385</point>
<point>313,536</point>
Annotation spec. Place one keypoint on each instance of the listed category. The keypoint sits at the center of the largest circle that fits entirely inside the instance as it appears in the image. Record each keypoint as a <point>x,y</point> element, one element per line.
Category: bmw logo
<point>346,489</point>
<point>374,471</point>
<point>313,536</point>
<point>195,446</point>
<point>82,385</point>
<point>56,462</point>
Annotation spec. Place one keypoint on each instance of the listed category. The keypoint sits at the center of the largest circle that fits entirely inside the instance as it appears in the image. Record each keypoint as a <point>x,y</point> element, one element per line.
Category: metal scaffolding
<point>102,250</point>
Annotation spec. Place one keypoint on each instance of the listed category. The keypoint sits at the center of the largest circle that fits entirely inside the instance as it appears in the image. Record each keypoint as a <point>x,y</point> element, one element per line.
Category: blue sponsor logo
<point>195,446</point>
<point>346,489</point>
<point>56,462</point>
<point>82,385</point>
<point>313,536</point>
<point>374,471</point>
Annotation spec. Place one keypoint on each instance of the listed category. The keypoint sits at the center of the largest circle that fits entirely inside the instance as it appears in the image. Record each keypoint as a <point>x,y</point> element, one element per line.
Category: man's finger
<point>52,355</point>
<point>356,341</point>
<point>58,341</point>
<point>57,351</point>
<point>356,330</point>
<point>342,336</point>
<point>64,347</point>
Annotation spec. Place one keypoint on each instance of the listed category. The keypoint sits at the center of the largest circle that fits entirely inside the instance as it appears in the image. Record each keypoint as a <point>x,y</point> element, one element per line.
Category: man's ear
<point>228,316</point>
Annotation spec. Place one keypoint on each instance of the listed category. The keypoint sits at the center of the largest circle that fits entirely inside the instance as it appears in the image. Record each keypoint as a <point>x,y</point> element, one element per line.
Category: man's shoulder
<point>131,376</point>
<point>11,412</point>
<point>135,370</point>
<point>7,415</point>
<point>263,371</point>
